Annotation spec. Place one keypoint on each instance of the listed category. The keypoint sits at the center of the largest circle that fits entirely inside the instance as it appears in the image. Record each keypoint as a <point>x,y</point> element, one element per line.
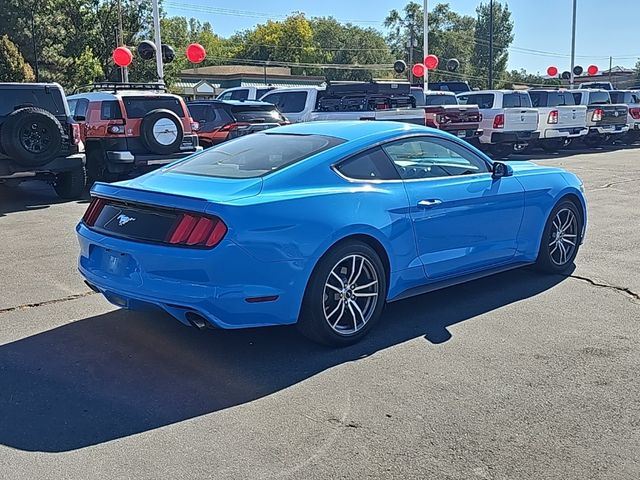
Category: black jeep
<point>39,139</point>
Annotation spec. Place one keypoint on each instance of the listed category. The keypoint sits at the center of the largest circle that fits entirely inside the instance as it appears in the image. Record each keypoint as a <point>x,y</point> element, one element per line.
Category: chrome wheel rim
<point>165,131</point>
<point>563,240</point>
<point>350,294</point>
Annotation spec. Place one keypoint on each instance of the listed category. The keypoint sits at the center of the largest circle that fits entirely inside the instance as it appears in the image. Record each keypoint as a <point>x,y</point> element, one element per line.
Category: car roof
<point>101,96</point>
<point>350,130</point>
<point>250,103</point>
<point>440,92</point>
<point>473,92</point>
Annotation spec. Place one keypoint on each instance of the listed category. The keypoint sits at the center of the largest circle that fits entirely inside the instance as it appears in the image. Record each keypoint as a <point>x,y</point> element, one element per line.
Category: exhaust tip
<point>197,320</point>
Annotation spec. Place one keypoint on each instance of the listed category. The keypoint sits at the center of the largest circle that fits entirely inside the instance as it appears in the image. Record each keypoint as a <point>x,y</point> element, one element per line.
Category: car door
<point>464,220</point>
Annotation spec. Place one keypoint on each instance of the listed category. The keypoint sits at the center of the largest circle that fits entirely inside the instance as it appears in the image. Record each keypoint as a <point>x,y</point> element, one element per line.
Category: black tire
<point>501,150</point>
<point>553,145</point>
<point>70,185</point>
<point>155,142</point>
<point>31,136</point>
<point>548,252</point>
<point>593,141</point>
<point>316,302</point>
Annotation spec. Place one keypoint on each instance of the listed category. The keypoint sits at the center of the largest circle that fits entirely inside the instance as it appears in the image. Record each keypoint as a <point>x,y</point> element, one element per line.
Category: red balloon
<point>196,53</point>
<point>122,56</point>
<point>431,62</point>
<point>418,70</point>
<point>592,70</point>
<point>552,71</point>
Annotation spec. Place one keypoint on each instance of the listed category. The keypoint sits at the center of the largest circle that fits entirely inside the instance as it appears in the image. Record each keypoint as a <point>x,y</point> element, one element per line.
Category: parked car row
<point>120,130</point>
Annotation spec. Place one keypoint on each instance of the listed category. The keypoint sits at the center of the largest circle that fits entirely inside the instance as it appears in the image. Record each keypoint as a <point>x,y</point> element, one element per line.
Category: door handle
<point>429,203</point>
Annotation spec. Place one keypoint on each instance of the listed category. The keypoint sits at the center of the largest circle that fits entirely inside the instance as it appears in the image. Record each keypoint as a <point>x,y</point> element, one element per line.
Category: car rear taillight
<point>195,126</point>
<point>498,121</point>
<point>635,113</point>
<point>234,126</point>
<point>195,230</point>
<point>553,116</point>
<point>92,213</point>
<point>597,115</point>
<point>116,129</point>
<point>479,117</point>
<point>75,133</point>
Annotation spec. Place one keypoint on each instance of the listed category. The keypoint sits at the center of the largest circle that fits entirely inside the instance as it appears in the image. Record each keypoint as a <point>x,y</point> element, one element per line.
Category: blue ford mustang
<point>320,224</point>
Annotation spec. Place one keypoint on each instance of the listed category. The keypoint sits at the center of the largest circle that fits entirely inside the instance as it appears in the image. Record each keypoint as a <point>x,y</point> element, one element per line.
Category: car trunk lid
<point>520,119</point>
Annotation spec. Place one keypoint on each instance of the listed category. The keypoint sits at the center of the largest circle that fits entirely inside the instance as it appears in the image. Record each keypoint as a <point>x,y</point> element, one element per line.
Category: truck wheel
<point>70,185</point>
<point>552,146</point>
<point>161,132</point>
<point>501,150</point>
<point>31,136</point>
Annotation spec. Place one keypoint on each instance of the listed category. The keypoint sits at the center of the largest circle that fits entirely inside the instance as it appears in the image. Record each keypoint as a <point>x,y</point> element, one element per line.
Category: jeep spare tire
<point>161,131</point>
<point>32,137</point>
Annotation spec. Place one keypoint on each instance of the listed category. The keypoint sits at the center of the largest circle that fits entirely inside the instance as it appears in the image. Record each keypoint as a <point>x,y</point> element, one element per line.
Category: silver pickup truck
<point>348,101</point>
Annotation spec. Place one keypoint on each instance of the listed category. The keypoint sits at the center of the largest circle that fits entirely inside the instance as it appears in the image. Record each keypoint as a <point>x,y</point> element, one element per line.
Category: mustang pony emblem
<point>124,219</point>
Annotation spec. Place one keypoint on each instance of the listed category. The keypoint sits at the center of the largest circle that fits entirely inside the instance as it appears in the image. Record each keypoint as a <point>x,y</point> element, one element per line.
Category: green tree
<point>451,35</point>
<point>87,69</point>
<point>13,67</point>
<point>502,39</point>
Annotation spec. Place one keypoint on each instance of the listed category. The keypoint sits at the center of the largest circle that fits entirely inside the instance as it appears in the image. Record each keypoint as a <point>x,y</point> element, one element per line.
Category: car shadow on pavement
<point>123,373</point>
<point>30,196</point>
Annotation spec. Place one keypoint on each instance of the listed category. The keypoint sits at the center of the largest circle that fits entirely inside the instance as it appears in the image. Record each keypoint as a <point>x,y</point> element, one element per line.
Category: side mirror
<point>501,170</point>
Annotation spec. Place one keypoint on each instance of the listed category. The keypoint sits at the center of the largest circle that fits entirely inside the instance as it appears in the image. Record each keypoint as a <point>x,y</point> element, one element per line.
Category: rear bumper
<point>514,137</point>
<point>568,132</point>
<point>146,160</point>
<point>608,129</point>
<point>9,169</point>
<point>463,130</point>
<point>214,284</point>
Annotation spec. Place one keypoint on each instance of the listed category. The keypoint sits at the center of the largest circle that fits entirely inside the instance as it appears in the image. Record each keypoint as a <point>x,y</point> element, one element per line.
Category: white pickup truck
<point>348,101</point>
<point>508,119</point>
<point>560,120</point>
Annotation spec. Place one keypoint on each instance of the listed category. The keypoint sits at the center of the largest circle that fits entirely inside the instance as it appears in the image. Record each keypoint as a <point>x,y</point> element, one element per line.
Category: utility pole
<point>610,67</point>
<point>35,44</point>
<point>573,43</point>
<point>411,44</point>
<point>123,70</point>
<point>425,48</point>
<point>158,41</point>
<point>490,44</point>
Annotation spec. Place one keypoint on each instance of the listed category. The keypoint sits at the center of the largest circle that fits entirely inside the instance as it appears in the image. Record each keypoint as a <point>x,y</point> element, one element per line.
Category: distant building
<point>207,82</point>
<point>621,78</point>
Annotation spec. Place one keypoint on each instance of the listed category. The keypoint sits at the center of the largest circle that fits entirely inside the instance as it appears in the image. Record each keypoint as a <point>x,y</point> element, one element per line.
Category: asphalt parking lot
<point>517,376</point>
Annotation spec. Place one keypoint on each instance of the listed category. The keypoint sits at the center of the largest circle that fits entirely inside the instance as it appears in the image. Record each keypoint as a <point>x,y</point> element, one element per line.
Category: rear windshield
<point>551,99</point>
<point>599,98</point>
<point>48,99</point>
<point>256,114</point>
<point>516,100</point>
<point>624,97</point>
<point>138,107</point>
<point>441,100</point>
<point>483,100</point>
<point>255,155</point>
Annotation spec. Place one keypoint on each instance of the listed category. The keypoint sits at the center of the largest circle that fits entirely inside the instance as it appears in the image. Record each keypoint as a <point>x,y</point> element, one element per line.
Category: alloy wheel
<point>351,293</point>
<point>563,241</point>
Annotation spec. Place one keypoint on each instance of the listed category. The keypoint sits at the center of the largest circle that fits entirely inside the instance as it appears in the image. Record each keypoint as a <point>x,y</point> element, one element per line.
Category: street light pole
<point>425,49</point>
<point>573,43</point>
<point>158,40</point>
<point>490,44</point>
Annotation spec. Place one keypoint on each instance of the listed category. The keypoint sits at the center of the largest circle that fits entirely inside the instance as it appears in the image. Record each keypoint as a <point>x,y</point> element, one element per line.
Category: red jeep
<point>130,128</point>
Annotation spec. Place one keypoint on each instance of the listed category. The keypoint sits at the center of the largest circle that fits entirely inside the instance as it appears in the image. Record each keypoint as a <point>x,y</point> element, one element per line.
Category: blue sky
<point>604,27</point>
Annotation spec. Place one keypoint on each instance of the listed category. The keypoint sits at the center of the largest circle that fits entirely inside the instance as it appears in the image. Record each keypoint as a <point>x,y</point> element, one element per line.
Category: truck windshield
<point>441,100</point>
<point>255,155</point>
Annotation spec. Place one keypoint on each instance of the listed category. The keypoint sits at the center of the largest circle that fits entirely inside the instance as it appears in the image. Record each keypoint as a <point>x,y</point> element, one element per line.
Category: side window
<point>371,165</point>
<point>110,110</point>
<point>202,113</point>
<point>79,110</point>
<point>226,96</point>
<point>240,94</point>
<point>288,102</point>
<point>422,158</point>
<point>511,100</point>
<point>262,91</point>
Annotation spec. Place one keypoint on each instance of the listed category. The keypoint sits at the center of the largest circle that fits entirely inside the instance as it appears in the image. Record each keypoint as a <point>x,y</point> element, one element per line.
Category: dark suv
<point>130,128</point>
<point>39,139</point>
<point>221,120</point>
